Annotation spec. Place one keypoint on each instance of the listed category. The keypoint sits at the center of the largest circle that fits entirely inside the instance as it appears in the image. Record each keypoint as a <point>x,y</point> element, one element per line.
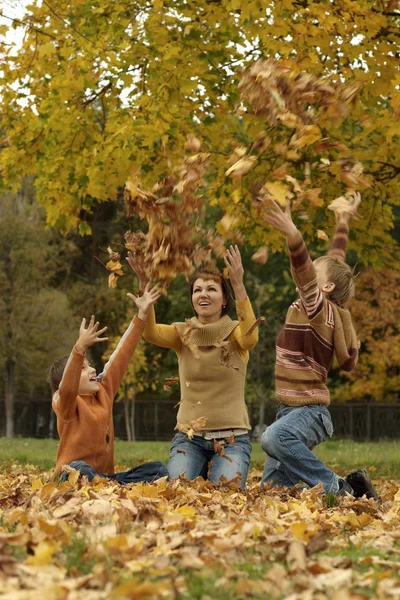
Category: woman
<point>213,424</point>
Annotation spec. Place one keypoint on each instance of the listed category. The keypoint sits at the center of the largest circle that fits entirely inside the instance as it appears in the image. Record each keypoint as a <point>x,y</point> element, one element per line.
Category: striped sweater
<point>85,422</point>
<point>315,329</point>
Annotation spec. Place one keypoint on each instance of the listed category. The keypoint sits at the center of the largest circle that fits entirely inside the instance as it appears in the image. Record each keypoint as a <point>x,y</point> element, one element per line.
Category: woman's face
<point>207,299</point>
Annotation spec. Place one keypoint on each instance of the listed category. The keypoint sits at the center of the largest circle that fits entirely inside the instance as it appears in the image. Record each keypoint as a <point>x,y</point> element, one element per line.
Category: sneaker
<point>361,483</point>
<point>344,487</point>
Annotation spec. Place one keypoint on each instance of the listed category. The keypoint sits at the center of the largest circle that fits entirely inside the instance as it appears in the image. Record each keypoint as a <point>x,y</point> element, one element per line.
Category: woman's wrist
<point>142,284</point>
<point>240,292</point>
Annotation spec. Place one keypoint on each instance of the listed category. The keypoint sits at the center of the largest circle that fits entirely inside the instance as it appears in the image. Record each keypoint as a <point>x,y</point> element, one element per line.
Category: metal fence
<point>155,419</point>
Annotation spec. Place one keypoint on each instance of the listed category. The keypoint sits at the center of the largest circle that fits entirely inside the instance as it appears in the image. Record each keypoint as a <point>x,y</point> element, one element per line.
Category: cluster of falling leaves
<point>276,92</point>
<point>279,94</point>
<point>173,243</point>
<point>91,541</point>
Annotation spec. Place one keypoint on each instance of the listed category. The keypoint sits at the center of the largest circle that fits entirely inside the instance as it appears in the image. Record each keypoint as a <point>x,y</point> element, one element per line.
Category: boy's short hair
<point>341,274</point>
<point>219,278</point>
<point>56,373</point>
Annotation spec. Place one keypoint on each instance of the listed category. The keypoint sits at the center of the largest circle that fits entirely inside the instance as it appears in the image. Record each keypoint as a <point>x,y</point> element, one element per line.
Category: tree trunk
<point>132,420</point>
<point>9,398</point>
<point>127,419</point>
<point>261,419</point>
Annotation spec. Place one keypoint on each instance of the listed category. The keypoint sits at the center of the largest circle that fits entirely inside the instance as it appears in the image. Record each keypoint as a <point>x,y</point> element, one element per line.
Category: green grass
<point>382,458</point>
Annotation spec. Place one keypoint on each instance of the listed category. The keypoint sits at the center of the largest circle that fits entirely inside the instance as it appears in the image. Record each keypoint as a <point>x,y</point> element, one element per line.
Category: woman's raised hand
<point>233,260</point>
<point>136,263</point>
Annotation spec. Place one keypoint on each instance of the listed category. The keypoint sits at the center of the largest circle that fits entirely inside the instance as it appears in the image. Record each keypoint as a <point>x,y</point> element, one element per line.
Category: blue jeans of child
<point>192,459</point>
<point>289,442</point>
<point>145,473</point>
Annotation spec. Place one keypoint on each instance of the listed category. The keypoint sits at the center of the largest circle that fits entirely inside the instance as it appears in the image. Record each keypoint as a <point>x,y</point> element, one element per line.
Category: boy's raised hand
<point>354,201</point>
<point>346,207</point>
<point>281,219</point>
<point>143,303</point>
<point>136,263</point>
<point>89,335</point>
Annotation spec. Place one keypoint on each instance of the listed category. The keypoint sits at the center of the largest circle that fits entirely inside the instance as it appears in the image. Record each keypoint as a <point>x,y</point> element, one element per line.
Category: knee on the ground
<point>275,439</point>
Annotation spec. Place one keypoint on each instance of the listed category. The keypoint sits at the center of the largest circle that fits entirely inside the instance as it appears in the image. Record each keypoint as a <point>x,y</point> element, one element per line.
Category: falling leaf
<point>113,256</point>
<point>275,190</point>
<point>261,256</point>
<point>255,325</point>
<point>169,381</point>
<point>115,267</point>
<point>112,280</point>
<point>241,167</point>
<point>193,144</point>
<point>322,235</point>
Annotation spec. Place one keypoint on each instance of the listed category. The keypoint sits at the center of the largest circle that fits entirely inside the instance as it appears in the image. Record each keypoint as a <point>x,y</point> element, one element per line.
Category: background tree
<point>376,313</point>
<point>36,323</point>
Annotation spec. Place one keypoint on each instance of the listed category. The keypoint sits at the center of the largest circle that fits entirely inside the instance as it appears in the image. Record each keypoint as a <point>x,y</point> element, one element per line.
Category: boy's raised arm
<point>341,234</point>
<point>118,362</point>
<point>302,268</point>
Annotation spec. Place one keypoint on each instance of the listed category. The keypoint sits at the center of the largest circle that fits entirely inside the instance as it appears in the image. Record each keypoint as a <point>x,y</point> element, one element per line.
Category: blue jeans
<point>196,457</point>
<point>289,442</point>
<point>145,473</point>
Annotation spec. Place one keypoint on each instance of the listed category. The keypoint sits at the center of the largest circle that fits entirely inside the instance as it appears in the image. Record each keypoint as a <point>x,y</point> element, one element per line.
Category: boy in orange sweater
<point>83,402</point>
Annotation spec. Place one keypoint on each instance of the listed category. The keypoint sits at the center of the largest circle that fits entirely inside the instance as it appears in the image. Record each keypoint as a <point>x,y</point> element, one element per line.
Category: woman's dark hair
<point>56,372</point>
<point>215,276</point>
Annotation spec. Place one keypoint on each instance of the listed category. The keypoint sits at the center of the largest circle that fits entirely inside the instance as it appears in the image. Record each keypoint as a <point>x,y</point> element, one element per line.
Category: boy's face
<point>88,383</point>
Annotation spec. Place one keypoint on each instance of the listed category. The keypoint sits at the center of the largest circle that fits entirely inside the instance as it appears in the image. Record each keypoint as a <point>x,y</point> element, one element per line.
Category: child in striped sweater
<point>317,326</point>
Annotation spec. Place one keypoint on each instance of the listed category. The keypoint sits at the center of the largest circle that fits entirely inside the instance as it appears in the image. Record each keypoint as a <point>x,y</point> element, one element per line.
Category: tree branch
<point>29,26</point>
<point>387,173</point>
<point>66,22</point>
<point>98,94</point>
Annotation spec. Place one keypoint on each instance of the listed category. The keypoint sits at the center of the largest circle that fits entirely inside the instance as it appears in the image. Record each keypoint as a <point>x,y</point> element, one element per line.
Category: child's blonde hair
<point>342,276</point>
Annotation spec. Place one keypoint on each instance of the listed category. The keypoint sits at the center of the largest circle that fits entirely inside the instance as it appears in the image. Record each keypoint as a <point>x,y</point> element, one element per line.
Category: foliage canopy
<point>100,90</point>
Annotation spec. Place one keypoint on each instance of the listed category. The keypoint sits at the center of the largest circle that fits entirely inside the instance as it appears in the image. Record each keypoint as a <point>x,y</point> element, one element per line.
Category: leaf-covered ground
<point>92,541</point>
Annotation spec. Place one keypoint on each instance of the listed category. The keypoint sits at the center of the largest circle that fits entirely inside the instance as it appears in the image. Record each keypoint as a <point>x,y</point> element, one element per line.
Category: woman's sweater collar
<point>207,334</point>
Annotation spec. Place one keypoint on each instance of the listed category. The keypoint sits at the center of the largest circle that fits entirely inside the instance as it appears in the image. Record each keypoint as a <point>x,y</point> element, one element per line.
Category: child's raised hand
<point>143,303</point>
<point>89,335</point>
<point>280,219</point>
<point>136,263</point>
<point>354,201</point>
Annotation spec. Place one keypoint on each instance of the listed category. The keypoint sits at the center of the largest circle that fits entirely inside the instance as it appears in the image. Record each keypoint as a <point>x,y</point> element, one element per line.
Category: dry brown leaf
<point>241,167</point>
<point>321,235</point>
<point>255,325</point>
<point>261,256</point>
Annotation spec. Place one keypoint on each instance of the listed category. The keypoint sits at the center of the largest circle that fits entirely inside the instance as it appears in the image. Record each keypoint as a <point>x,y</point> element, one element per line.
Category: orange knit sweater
<point>85,423</point>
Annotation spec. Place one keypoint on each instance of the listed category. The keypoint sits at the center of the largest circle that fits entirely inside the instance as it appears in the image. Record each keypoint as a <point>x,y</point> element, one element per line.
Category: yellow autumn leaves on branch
<point>100,95</point>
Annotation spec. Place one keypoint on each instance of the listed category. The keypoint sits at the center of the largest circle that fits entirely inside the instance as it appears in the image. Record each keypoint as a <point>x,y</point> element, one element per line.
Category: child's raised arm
<point>302,268</point>
<point>343,218</point>
<point>64,400</point>
<point>89,335</point>
<point>118,362</point>
<point>143,303</point>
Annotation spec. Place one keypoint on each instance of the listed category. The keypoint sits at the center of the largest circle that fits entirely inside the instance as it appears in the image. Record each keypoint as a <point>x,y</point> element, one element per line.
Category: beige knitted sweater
<point>212,366</point>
